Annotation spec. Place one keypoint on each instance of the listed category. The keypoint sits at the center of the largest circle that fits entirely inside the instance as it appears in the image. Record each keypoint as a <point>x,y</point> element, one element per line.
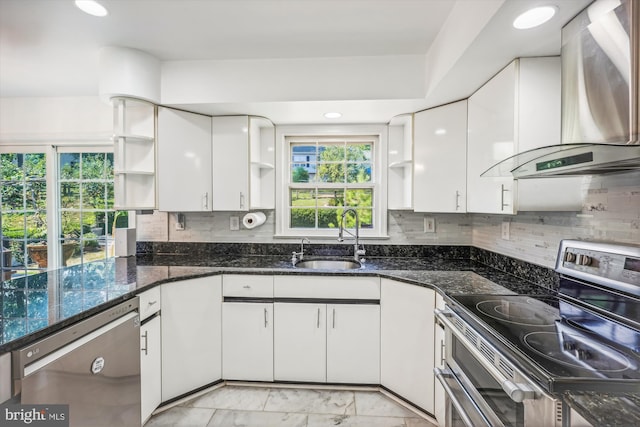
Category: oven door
<point>478,392</point>
<point>461,408</point>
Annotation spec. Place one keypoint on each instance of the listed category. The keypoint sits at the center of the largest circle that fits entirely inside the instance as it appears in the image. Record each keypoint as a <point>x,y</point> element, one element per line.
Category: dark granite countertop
<point>37,305</point>
<point>606,409</point>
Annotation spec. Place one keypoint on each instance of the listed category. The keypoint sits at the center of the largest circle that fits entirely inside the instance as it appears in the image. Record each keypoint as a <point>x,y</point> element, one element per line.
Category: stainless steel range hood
<point>600,98</point>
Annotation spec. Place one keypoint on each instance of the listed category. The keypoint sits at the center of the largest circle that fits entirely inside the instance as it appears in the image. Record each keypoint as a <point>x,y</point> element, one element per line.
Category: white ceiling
<point>50,48</point>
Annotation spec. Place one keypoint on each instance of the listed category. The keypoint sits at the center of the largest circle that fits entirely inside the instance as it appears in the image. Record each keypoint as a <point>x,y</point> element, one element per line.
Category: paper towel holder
<point>253,219</point>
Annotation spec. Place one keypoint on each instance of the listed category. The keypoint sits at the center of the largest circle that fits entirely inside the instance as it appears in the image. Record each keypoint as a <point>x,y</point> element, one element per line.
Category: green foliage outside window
<point>339,168</point>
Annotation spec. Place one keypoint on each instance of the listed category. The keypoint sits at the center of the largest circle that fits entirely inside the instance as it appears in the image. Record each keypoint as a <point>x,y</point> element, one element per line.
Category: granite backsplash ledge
<point>535,274</point>
<point>312,249</point>
<point>539,275</point>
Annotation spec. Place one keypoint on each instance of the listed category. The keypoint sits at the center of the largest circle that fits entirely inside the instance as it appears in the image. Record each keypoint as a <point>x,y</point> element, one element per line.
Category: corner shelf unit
<point>134,124</point>
<point>262,158</point>
<point>400,163</point>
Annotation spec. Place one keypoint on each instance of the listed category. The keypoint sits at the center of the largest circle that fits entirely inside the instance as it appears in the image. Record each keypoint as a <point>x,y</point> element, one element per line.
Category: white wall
<point>367,77</point>
<point>55,119</point>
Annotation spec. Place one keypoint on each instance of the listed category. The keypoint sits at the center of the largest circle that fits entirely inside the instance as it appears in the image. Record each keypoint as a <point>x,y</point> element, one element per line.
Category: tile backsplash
<point>611,212</point>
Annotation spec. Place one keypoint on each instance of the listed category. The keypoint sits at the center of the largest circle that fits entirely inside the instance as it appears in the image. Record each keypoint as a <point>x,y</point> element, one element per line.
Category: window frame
<point>52,152</point>
<point>80,149</point>
<point>285,135</point>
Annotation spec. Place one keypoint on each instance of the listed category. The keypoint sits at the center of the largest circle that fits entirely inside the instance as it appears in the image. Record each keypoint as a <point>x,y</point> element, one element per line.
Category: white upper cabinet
<point>134,153</point>
<point>440,159</point>
<point>492,121</point>
<point>400,161</point>
<point>517,110</point>
<point>231,163</point>
<point>184,161</point>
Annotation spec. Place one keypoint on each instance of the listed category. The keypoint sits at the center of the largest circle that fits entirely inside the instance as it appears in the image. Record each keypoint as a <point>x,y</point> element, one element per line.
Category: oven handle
<point>444,376</point>
<point>516,392</point>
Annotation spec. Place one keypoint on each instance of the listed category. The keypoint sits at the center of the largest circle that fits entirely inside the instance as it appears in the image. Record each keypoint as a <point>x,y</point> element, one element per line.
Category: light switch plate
<point>429,224</point>
<point>505,230</point>
<point>234,223</point>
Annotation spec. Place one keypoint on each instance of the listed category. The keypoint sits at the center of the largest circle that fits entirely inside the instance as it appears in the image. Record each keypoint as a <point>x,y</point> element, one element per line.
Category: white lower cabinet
<point>191,334</point>
<point>353,343</point>
<point>336,343</point>
<point>247,341</point>
<point>150,367</point>
<point>406,340</point>
<point>439,409</point>
<point>300,342</point>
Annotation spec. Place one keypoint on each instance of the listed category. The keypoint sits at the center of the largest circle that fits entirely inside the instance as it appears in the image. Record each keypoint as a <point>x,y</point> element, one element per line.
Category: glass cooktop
<point>564,340</point>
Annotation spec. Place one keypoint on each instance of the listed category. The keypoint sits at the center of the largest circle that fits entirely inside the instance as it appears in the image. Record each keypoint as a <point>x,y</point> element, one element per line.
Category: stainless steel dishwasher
<point>93,366</point>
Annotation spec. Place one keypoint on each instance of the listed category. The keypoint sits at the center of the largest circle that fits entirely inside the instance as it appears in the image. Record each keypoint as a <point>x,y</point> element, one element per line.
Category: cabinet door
<point>247,341</point>
<point>406,341</point>
<point>300,342</point>
<point>191,334</point>
<point>184,161</point>
<point>231,163</point>
<point>440,159</point>
<point>353,343</point>
<point>492,114</point>
<point>150,367</point>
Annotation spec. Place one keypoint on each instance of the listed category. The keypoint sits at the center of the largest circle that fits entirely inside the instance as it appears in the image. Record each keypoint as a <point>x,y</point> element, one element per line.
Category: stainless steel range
<point>509,356</point>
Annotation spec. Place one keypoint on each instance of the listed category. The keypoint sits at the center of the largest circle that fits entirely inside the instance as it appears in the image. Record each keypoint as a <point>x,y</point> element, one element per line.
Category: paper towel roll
<point>254,219</point>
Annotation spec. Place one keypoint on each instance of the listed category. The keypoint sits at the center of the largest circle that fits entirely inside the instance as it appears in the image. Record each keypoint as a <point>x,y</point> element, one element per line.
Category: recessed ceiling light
<point>534,17</point>
<point>91,7</point>
<point>332,115</point>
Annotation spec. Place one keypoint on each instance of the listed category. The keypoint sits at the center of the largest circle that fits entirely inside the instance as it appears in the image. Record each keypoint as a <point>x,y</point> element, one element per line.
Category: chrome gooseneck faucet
<point>358,250</point>
<point>294,257</point>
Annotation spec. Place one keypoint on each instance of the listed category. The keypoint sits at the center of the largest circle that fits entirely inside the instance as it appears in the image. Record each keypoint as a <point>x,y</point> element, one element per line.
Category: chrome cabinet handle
<point>442,346</point>
<point>241,200</point>
<point>150,303</point>
<point>318,326</point>
<point>334,318</point>
<point>146,343</point>
<point>502,191</point>
<point>457,200</point>
<point>246,287</point>
<point>205,200</point>
<point>266,318</point>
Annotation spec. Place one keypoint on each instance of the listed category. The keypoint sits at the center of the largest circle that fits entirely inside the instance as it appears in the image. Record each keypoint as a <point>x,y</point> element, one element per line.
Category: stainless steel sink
<point>329,264</point>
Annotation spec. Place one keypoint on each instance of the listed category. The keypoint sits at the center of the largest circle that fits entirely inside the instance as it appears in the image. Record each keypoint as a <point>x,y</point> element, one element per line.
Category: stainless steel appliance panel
<point>97,375</point>
<point>600,74</point>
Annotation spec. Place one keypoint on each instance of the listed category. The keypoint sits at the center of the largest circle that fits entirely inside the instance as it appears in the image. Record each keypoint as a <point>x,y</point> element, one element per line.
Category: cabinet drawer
<point>343,287</point>
<point>239,285</point>
<point>149,302</point>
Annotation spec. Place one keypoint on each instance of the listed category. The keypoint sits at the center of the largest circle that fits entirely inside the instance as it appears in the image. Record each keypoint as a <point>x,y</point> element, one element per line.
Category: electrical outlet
<point>505,230</point>
<point>234,223</point>
<point>429,225</point>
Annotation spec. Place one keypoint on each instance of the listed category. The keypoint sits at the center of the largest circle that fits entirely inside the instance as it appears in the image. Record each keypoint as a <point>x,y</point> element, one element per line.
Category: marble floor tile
<point>311,401</point>
<point>227,418</point>
<point>233,397</point>
<point>374,403</point>
<point>181,417</point>
<point>418,422</point>
<point>236,405</point>
<point>325,420</point>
